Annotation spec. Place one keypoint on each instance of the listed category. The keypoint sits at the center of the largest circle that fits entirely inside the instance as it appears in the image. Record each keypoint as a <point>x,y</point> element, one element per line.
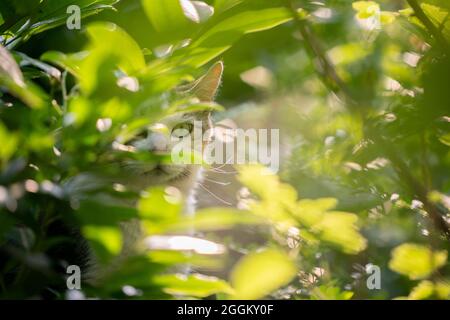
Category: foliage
<point>358,89</point>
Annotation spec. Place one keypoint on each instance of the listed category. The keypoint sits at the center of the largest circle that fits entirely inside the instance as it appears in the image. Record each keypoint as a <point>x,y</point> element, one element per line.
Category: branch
<point>10,23</point>
<point>420,14</point>
<point>331,79</point>
<point>326,70</point>
<point>417,189</point>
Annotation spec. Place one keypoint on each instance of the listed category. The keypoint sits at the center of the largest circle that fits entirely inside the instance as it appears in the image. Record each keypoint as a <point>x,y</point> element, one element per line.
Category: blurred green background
<point>359,91</point>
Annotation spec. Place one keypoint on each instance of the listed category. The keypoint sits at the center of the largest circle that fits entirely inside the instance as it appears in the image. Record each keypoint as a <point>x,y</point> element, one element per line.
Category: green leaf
<point>199,107</point>
<point>224,5</point>
<point>94,213</point>
<point>330,292</point>
<point>165,15</point>
<point>173,257</point>
<point>51,9</point>
<point>110,49</point>
<point>105,240</point>
<point>442,289</point>
<point>10,143</point>
<point>9,69</point>
<point>369,9</point>
<point>437,15</point>
<point>50,70</point>
<point>445,139</point>
<point>222,35</point>
<point>53,13</point>
<point>340,229</point>
<point>265,184</point>
<point>277,199</point>
<point>159,208</point>
<point>348,53</point>
<point>195,285</point>
<point>366,9</point>
<point>387,17</point>
<point>6,221</point>
<point>260,273</point>
<point>429,290</point>
<point>423,290</point>
<point>11,77</point>
<point>311,211</point>
<point>11,9</point>
<point>246,22</point>
<point>279,204</point>
<point>216,219</point>
<point>109,38</point>
<point>416,261</point>
<point>364,5</point>
<point>70,62</point>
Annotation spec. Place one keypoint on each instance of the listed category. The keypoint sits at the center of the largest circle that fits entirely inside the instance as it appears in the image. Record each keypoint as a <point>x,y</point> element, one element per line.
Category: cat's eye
<point>182,130</point>
<point>142,135</point>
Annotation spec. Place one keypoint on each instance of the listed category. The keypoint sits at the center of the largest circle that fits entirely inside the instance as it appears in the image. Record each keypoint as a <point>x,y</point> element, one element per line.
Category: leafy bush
<point>359,92</point>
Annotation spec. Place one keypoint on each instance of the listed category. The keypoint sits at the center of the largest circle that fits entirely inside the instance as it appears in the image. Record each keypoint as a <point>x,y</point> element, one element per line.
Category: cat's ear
<point>205,88</point>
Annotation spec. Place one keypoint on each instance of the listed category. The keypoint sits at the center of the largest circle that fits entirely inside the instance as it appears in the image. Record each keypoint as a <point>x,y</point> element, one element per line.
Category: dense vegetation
<point>359,91</point>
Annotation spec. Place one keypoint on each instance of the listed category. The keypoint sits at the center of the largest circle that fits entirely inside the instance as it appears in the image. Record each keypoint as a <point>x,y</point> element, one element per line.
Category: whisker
<point>222,171</point>
<point>217,182</point>
<point>226,162</point>
<point>214,195</point>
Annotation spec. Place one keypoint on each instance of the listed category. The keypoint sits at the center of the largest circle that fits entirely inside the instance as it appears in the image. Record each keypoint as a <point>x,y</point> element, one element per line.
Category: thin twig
<point>10,23</point>
<point>332,80</point>
<point>64,91</point>
<point>420,14</point>
<point>327,71</point>
<point>420,191</point>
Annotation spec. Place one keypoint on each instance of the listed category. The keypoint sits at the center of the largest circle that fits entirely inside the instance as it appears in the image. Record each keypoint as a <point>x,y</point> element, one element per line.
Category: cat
<point>75,249</point>
<point>156,139</point>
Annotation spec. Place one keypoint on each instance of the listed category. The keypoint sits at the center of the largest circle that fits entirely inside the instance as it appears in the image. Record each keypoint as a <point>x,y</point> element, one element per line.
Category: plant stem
<point>64,91</point>
<point>417,189</point>
<point>331,79</point>
<point>420,14</point>
<point>325,68</point>
<point>10,23</point>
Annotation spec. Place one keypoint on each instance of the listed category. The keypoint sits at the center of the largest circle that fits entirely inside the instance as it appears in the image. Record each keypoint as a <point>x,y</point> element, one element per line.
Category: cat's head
<point>159,138</point>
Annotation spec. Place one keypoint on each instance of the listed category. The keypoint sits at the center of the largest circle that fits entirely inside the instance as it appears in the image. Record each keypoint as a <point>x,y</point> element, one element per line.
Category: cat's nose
<point>158,142</point>
<point>159,138</point>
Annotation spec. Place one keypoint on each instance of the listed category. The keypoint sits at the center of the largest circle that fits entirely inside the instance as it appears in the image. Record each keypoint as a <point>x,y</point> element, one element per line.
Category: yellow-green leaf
<point>11,77</point>
<point>216,219</point>
<point>9,143</point>
<point>114,40</point>
<point>70,62</point>
<point>330,292</point>
<point>387,17</point>
<point>309,212</point>
<point>165,15</point>
<point>195,285</point>
<point>9,68</point>
<point>260,273</point>
<point>105,240</point>
<point>340,229</point>
<point>266,185</point>
<point>416,261</point>
<point>428,290</point>
<point>159,205</point>
<point>423,290</point>
<point>366,9</point>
